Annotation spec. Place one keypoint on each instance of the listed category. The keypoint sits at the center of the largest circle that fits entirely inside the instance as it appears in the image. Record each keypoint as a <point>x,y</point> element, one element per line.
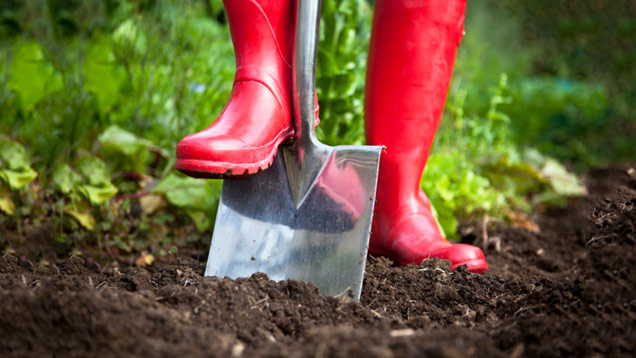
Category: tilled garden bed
<point>565,290</point>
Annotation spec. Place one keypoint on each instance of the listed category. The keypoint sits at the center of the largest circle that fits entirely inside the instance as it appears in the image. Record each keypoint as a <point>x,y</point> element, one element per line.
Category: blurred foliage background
<point>95,95</point>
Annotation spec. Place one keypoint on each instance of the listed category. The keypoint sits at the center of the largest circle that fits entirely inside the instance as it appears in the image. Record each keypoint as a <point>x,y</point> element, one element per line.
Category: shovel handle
<point>304,71</point>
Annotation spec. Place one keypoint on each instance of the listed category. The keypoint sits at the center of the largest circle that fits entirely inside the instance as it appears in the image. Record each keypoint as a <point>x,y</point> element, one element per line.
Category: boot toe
<point>200,146</point>
<point>223,156</point>
<point>462,254</point>
<point>416,237</point>
<point>413,238</point>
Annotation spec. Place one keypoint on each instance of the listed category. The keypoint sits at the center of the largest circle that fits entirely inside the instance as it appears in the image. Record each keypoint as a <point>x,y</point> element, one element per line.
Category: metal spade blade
<point>308,216</point>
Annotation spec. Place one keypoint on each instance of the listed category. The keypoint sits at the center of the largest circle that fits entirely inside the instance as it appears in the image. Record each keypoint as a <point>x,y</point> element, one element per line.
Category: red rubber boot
<point>257,117</point>
<point>411,58</point>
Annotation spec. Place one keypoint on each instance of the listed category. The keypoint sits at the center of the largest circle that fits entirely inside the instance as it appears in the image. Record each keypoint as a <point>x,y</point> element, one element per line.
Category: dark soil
<point>566,290</point>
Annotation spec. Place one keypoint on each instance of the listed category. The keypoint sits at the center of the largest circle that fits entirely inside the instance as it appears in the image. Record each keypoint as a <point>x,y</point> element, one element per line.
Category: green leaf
<point>201,219</point>
<point>344,86</point>
<point>13,155</point>
<point>133,150</point>
<point>129,39</point>
<point>65,179</point>
<point>188,192</point>
<point>31,76</point>
<point>327,63</point>
<point>82,214</point>
<point>93,170</point>
<point>15,169</point>
<point>199,197</point>
<point>96,187</point>
<point>102,76</point>
<point>344,29</point>
<point>123,140</point>
<point>98,194</point>
<point>18,179</point>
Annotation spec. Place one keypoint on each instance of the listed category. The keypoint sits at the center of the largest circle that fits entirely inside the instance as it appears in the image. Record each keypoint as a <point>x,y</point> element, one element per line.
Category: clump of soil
<point>567,290</point>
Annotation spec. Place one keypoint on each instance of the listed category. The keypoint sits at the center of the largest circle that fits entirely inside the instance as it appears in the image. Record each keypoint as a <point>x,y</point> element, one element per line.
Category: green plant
<point>109,88</point>
<point>583,56</point>
<point>95,95</point>
<point>477,168</point>
<point>344,35</point>
<point>564,118</point>
<point>199,198</point>
<point>15,172</point>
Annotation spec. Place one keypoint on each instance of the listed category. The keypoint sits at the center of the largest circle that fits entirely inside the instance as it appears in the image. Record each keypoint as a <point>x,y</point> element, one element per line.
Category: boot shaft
<point>411,58</point>
<point>262,33</point>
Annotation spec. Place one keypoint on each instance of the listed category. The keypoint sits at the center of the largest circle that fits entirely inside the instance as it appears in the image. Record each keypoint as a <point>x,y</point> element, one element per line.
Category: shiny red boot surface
<point>411,57</point>
<point>257,117</point>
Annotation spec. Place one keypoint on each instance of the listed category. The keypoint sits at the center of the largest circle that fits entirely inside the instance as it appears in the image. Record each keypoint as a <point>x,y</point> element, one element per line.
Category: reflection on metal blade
<point>259,227</point>
<point>308,216</point>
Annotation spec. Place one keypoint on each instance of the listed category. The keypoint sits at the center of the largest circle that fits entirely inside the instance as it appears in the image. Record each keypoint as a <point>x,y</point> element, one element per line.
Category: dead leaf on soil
<point>145,259</point>
<point>402,332</point>
<point>151,202</point>
<point>6,204</point>
<point>521,220</point>
<point>83,215</point>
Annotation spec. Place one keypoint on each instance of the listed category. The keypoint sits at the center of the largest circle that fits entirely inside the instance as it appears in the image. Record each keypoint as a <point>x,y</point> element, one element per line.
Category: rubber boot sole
<point>200,168</point>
